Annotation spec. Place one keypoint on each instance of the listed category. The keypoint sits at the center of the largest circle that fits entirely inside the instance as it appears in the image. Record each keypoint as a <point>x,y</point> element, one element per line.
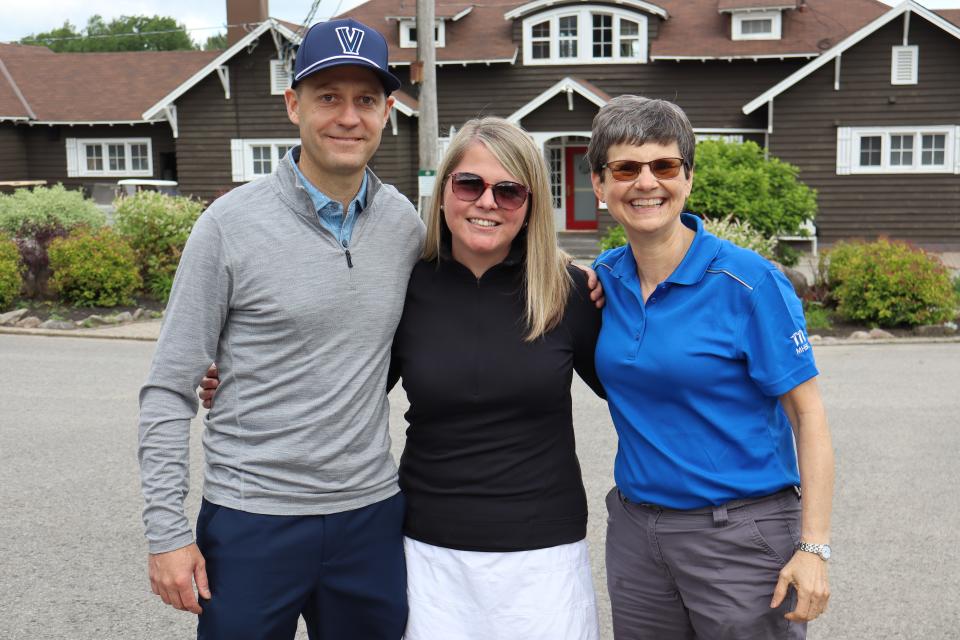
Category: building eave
<point>537,5</point>
<point>764,56</point>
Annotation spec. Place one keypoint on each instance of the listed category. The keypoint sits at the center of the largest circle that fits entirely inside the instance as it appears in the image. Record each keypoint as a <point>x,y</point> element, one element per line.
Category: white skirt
<point>544,594</point>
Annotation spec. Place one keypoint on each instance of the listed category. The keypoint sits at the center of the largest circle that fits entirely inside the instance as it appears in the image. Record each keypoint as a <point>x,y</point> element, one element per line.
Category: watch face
<point>825,553</point>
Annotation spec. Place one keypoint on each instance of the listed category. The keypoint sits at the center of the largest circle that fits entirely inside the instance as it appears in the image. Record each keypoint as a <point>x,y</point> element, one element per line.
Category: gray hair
<point>636,120</point>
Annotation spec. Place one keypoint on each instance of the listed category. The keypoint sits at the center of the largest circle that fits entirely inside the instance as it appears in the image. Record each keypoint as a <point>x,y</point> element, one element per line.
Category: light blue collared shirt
<point>330,212</point>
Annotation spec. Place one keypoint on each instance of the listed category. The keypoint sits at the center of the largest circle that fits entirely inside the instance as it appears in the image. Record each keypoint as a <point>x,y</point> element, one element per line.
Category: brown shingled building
<point>863,97</point>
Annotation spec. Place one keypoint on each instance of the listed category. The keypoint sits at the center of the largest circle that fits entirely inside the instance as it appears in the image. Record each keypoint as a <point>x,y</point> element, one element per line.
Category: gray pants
<point>705,574</point>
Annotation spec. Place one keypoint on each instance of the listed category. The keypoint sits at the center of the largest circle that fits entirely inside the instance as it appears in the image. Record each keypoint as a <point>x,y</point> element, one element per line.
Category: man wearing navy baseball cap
<point>293,284</point>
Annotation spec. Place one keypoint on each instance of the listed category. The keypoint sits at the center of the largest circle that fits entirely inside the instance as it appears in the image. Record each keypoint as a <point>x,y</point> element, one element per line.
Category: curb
<point>102,334</point>
<point>75,333</point>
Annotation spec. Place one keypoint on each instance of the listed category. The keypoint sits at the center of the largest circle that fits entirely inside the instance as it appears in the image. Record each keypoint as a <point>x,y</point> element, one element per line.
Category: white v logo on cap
<point>350,39</point>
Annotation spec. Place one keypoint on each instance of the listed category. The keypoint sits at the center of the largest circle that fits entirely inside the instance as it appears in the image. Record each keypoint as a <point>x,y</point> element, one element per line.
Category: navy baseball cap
<point>342,42</point>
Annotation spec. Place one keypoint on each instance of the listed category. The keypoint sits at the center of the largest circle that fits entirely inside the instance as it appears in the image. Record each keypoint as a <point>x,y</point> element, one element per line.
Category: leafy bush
<point>157,227</point>
<point>817,317</point>
<point>888,283</point>
<point>34,218</point>
<point>735,179</point>
<point>94,269</point>
<point>743,234</point>
<point>10,280</point>
<point>739,233</point>
<point>615,237</point>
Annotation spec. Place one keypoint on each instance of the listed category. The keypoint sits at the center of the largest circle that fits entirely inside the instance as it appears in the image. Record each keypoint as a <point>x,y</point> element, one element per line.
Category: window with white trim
<point>924,149</point>
<point>724,137</point>
<point>904,64</point>
<point>585,35</point>
<point>756,25</point>
<point>408,34</point>
<point>280,77</point>
<point>252,159</point>
<point>555,167</point>
<point>109,157</point>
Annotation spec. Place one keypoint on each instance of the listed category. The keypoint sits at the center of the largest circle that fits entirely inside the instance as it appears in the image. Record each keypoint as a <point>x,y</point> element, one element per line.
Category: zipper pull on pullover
<point>349,259</point>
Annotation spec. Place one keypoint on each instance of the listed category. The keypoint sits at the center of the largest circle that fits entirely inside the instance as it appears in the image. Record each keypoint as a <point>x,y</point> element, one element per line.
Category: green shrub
<point>743,234</point>
<point>157,227</point>
<point>94,269</point>
<point>739,233</point>
<point>10,280</point>
<point>615,237</point>
<point>34,218</point>
<point>735,179</point>
<point>817,317</point>
<point>888,283</point>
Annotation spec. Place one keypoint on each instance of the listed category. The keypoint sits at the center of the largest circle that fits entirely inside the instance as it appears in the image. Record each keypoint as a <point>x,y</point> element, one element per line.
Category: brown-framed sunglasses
<point>629,170</point>
<point>469,187</point>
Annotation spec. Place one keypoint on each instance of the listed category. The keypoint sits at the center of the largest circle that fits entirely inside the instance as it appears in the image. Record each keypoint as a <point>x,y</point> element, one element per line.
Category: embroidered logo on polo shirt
<point>350,40</point>
<point>800,342</point>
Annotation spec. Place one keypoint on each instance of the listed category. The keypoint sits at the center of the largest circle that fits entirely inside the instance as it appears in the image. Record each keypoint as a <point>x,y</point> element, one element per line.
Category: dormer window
<point>756,25</point>
<point>585,35</point>
<point>408,34</point>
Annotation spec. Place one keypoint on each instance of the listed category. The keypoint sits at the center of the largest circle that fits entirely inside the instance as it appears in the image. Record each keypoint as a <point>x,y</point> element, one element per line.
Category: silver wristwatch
<point>822,550</point>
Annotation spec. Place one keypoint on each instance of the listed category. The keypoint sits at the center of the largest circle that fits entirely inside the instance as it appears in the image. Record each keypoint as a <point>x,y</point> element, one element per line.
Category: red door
<point>581,202</point>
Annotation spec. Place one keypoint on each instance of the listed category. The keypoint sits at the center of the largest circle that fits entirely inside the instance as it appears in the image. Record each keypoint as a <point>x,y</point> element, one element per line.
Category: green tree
<point>126,33</point>
<point>735,179</point>
<point>216,42</point>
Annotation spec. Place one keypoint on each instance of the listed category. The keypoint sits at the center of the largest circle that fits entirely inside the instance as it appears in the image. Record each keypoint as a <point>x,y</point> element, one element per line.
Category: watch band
<point>822,550</point>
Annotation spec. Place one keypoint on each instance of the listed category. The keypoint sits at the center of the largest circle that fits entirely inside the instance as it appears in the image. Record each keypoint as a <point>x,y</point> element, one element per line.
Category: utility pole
<point>428,126</point>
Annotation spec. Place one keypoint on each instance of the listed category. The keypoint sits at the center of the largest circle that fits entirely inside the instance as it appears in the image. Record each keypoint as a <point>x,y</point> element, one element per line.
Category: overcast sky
<point>20,18</point>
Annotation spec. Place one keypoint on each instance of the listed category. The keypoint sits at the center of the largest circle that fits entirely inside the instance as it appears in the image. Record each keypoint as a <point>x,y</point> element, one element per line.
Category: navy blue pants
<point>344,573</point>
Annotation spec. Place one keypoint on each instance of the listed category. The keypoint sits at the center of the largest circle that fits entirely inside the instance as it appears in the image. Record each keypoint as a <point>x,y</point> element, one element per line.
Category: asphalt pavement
<point>73,559</point>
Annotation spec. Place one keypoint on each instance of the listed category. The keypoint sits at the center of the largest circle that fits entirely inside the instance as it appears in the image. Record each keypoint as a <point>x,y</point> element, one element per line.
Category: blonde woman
<point>493,327</point>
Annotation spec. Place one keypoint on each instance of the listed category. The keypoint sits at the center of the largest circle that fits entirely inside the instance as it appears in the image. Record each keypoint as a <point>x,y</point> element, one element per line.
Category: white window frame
<point>280,77</point>
<point>724,137</point>
<point>738,18</point>
<point>76,149</point>
<point>406,26</point>
<point>584,35</point>
<point>241,152</point>
<point>560,173</point>
<point>848,149</point>
<point>914,52</point>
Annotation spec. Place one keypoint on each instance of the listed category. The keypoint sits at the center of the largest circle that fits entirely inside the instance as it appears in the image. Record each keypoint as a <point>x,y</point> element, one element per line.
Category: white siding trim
<point>904,64</point>
<point>72,158</point>
<point>843,151</point>
<point>236,160</point>
<point>279,77</point>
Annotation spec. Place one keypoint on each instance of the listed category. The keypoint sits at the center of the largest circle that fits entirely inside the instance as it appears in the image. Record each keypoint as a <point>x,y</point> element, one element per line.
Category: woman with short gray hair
<point>712,387</point>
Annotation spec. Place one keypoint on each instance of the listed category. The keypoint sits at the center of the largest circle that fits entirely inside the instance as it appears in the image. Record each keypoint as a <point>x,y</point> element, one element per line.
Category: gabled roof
<point>89,87</point>
<point>850,41</point>
<point>157,107</point>
<point>568,85</point>
<point>753,5</point>
<point>952,15</point>
<point>689,29</point>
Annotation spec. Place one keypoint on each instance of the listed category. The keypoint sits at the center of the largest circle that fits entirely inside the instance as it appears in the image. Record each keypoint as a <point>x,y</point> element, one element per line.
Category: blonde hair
<point>546,281</point>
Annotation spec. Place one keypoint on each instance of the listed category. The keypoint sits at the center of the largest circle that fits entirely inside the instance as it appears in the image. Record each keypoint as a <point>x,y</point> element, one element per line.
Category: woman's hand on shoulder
<point>593,284</point>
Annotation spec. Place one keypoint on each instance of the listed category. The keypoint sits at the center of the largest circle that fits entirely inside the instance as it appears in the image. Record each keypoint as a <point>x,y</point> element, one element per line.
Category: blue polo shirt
<point>330,212</point>
<point>694,374</point>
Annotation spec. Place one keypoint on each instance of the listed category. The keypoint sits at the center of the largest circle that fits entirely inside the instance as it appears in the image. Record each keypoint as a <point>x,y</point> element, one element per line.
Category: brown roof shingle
<point>694,31</point>
<point>98,87</point>
<point>695,28</point>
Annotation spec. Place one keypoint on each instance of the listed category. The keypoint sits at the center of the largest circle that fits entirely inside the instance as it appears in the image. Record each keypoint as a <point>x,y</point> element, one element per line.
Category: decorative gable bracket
<point>224,72</point>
